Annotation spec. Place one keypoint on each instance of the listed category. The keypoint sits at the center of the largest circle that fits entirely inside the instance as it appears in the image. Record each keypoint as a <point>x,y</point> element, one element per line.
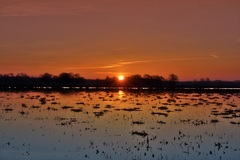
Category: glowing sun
<point>121,77</point>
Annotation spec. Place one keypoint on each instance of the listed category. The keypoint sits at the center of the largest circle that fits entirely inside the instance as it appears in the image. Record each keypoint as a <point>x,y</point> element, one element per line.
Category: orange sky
<point>191,38</point>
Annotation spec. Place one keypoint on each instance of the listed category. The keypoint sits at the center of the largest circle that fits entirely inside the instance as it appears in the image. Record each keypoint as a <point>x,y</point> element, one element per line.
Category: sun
<point>121,77</point>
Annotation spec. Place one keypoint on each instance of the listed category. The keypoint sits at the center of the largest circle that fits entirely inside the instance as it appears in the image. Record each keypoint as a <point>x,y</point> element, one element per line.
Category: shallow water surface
<point>119,125</point>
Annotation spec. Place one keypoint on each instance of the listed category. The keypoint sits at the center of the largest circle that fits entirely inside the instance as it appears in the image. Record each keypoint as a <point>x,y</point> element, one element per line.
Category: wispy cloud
<point>214,55</point>
<point>183,59</point>
<point>114,73</point>
<point>111,66</point>
<point>126,63</point>
<point>120,64</point>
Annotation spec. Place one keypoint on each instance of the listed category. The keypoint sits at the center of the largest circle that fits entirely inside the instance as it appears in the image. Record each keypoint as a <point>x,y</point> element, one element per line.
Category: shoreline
<point>129,89</point>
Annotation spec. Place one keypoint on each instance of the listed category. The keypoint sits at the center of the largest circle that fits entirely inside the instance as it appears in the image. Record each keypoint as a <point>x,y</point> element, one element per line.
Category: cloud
<point>214,56</point>
<point>120,64</point>
<point>114,73</point>
<point>111,66</point>
<point>181,59</point>
<point>126,63</point>
<point>211,56</point>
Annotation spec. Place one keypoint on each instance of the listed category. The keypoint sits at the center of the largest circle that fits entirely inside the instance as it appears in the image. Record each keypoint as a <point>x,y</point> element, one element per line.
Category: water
<point>119,125</point>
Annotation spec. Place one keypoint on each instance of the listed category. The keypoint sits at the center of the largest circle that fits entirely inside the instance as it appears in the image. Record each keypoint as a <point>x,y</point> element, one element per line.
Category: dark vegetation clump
<point>142,134</point>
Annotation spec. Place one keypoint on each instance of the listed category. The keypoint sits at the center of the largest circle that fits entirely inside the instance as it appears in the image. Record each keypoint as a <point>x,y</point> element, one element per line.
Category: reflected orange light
<point>120,94</point>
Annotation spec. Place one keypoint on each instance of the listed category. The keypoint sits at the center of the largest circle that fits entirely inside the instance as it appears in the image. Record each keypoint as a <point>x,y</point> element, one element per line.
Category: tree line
<point>71,79</point>
<point>22,80</point>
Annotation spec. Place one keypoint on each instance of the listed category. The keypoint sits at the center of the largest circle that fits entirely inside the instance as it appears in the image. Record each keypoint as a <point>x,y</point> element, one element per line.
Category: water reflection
<point>120,94</point>
<point>119,125</point>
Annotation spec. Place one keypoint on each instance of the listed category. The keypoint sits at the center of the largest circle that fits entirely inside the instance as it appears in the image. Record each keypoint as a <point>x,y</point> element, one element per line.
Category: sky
<point>191,38</point>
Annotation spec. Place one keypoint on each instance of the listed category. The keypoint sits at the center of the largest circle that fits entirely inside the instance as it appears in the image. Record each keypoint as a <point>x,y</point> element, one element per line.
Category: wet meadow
<point>130,125</point>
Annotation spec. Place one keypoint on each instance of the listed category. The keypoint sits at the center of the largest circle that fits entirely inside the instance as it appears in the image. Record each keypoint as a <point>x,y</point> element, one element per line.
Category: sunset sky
<point>95,38</point>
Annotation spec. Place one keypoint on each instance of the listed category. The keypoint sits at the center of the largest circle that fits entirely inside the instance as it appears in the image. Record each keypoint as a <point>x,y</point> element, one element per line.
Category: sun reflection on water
<point>120,94</point>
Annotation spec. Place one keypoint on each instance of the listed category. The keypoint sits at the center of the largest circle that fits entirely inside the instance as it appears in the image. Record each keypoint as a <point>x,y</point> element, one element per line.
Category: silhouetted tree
<point>158,77</point>
<point>147,76</point>
<point>65,77</point>
<point>70,79</point>
<point>135,80</point>
<point>172,79</point>
<point>9,75</point>
<point>75,76</point>
<point>46,78</point>
<point>110,81</point>
<point>22,75</point>
<point>21,79</point>
<point>136,77</point>
<point>205,80</point>
<point>152,81</point>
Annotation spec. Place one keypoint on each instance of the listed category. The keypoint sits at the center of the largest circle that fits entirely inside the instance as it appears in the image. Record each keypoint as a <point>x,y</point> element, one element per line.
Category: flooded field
<point>119,125</point>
